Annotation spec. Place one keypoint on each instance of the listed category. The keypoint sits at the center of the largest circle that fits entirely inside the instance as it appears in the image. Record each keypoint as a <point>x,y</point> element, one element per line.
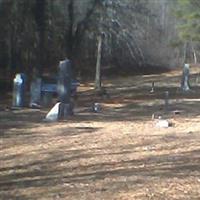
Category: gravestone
<point>185,85</point>
<point>47,99</point>
<point>162,123</point>
<point>35,95</point>
<point>152,87</point>
<point>64,81</point>
<point>48,89</point>
<point>53,114</point>
<point>64,89</point>
<point>96,107</point>
<point>19,90</point>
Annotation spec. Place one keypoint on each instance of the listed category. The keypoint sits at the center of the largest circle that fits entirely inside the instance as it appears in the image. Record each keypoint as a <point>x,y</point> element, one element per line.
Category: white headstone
<point>19,90</point>
<point>162,123</point>
<point>53,114</point>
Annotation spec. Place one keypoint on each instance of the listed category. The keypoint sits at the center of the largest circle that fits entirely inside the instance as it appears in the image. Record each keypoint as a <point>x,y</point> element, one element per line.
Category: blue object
<point>52,87</point>
<point>49,87</point>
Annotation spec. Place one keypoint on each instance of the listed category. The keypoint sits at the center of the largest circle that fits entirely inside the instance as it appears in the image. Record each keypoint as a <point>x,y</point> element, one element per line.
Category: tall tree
<point>40,18</point>
<point>188,12</point>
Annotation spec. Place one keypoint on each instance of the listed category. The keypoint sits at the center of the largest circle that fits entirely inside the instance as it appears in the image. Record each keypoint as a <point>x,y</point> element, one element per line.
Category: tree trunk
<point>194,55</point>
<point>40,19</point>
<point>70,36</point>
<point>98,64</point>
<point>184,53</point>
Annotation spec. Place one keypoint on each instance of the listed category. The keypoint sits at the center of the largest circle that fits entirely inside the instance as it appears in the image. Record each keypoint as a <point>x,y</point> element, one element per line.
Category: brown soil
<point>115,154</point>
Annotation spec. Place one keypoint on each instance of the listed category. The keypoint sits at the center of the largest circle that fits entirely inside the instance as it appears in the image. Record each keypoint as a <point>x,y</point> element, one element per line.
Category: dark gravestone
<point>19,90</point>
<point>47,99</point>
<point>35,95</point>
<point>152,87</point>
<point>64,89</point>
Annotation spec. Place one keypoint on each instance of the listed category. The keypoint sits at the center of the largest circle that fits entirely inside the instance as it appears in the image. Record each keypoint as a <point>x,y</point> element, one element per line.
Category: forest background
<point>139,36</point>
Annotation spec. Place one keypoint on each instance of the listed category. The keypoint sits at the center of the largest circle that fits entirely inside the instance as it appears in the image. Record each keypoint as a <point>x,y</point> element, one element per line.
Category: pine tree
<point>188,13</point>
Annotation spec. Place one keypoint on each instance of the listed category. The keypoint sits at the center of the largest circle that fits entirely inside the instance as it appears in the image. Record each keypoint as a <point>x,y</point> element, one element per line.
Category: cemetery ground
<point>118,153</point>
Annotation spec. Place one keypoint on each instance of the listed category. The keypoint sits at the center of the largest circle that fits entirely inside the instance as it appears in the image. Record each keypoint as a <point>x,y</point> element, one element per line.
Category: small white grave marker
<point>53,114</point>
<point>162,123</point>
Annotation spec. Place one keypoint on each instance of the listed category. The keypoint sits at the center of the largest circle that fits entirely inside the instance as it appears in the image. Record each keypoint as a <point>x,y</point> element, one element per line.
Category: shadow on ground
<point>117,174</point>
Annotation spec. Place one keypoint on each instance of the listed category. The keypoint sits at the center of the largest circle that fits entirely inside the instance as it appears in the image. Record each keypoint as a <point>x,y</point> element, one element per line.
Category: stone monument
<point>185,85</point>
<point>35,92</point>
<point>64,89</point>
<point>19,90</point>
<point>64,107</point>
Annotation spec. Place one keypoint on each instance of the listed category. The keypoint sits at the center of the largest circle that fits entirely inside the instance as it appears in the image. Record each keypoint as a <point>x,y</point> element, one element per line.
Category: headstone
<point>166,100</point>
<point>58,112</point>
<point>185,85</point>
<point>152,87</point>
<point>53,114</point>
<point>96,107</point>
<point>64,81</point>
<point>162,123</point>
<point>19,90</point>
<point>65,110</point>
<point>64,88</point>
<point>35,95</point>
<point>47,99</point>
<point>48,89</point>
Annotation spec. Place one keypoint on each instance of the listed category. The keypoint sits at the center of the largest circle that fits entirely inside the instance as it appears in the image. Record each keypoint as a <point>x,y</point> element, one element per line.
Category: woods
<point>136,35</point>
<point>188,13</point>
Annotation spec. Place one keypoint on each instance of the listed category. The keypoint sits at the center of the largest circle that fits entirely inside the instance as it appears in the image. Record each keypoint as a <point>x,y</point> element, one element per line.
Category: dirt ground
<point>118,153</point>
